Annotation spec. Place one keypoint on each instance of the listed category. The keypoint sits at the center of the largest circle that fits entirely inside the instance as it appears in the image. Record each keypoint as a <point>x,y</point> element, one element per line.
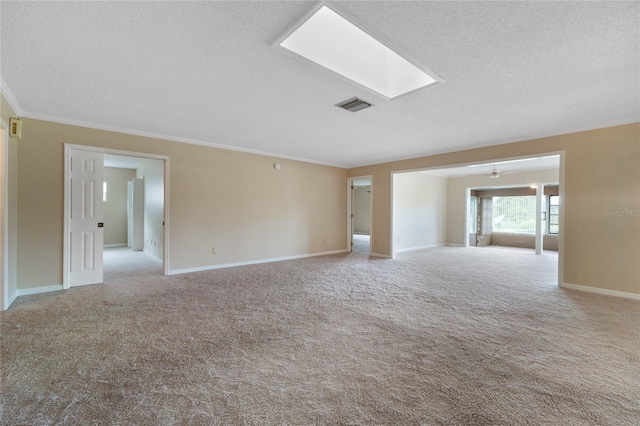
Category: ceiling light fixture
<point>336,43</point>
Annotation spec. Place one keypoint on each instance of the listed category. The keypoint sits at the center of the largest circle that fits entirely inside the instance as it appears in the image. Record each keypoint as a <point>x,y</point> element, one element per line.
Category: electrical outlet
<point>214,251</point>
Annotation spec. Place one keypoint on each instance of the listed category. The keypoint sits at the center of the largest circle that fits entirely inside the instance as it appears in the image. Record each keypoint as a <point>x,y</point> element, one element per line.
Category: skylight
<point>332,41</point>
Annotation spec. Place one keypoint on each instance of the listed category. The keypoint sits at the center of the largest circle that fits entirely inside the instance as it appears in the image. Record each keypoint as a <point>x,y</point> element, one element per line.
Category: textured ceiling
<point>207,72</point>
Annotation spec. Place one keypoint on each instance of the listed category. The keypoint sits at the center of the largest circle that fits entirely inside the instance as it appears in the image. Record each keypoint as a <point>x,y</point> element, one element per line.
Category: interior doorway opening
<point>100,211</point>
<point>538,169</point>
<point>133,201</point>
<point>359,217</point>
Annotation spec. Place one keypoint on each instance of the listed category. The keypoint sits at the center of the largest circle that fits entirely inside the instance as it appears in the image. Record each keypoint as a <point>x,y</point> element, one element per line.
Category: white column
<point>539,230</point>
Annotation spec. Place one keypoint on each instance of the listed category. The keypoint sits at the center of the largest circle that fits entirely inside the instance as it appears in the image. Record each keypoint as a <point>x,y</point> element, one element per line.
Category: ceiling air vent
<point>354,104</point>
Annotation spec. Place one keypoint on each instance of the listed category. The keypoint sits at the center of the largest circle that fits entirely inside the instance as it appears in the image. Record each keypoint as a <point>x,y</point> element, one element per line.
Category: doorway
<point>133,206</point>
<point>93,225</point>
<point>359,217</point>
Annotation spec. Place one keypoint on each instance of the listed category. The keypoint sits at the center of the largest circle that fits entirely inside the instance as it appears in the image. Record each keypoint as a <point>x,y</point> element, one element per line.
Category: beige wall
<point>12,200</point>
<point>420,211</point>
<point>602,173</point>
<point>115,208</point>
<point>153,173</point>
<point>456,200</point>
<point>230,200</point>
<point>362,210</point>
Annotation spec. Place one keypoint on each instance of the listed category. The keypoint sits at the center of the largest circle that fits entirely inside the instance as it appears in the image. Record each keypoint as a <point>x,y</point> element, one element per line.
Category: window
<point>553,224</point>
<point>104,191</point>
<point>473,214</point>
<point>516,214</point>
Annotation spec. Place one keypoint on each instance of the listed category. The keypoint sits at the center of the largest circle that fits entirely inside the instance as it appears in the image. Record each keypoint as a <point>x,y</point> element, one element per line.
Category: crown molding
<point>6,92</point>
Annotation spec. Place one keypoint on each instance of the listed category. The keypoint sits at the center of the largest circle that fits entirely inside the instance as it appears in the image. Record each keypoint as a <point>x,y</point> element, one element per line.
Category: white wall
<point>115,208</point>
<point>456,198</point>
<point>153,173</point>
<point>419,211</point>
<point>362,210</point>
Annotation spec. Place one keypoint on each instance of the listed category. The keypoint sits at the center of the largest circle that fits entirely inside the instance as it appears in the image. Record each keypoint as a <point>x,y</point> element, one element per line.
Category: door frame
<point>350,211</point>
<point>67,211</point>
<point>4,206</point>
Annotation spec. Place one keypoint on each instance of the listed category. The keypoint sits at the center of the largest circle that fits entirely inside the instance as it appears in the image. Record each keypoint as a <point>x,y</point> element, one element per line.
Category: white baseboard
<point>253,262</point>
<point>604,291</point>
<point>152,255</point>
<point>419,248</point>
<point>383,256</point>
<point>12,299</point>
<point>114,245</point>
<point>454,245</point>
<point>36,290</point>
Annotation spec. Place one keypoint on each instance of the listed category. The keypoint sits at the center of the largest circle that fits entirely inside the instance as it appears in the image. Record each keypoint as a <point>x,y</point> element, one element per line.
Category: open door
<point>85,226</point>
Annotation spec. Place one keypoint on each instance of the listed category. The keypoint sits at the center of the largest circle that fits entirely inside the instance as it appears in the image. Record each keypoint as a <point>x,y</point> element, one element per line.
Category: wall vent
<point>354,104</point>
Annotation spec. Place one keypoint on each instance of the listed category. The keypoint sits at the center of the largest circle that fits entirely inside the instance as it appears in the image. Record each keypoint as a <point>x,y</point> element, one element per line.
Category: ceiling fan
<point>495,173</point>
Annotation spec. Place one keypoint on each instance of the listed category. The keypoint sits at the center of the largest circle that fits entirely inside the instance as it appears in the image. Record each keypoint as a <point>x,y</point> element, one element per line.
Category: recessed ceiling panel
<point>334,42</point>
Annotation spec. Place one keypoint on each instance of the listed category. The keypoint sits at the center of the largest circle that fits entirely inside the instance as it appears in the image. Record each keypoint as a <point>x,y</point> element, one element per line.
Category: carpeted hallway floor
<point>450,336</point>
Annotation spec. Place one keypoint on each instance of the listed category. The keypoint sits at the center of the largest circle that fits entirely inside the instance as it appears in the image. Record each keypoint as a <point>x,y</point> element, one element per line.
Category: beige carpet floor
<point>445,336</point>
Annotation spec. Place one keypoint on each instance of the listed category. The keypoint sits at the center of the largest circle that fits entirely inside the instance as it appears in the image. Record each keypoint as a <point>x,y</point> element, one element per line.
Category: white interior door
<point>86,231</point>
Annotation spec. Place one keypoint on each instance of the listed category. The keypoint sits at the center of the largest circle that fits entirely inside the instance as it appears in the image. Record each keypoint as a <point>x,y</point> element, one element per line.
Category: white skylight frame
<point>394,56</point>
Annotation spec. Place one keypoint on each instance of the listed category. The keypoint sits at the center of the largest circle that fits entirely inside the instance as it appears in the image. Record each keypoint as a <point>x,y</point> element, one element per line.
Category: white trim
<point>126,131</point>
<point>66,260</point>
<point>453,245</point>
<point>467,205</point>
<point>38,290</point>
<point>12,299</point>
<point>348,245</point>
<point>392,208</point>
<point>383,256</point>
<point>6,299</point>
<point>114,245</point>
<point>597,290</point>
<point>419,248</point>
<point>10,98</point>
<point>156,258</point>
<point>561,193</point>
<point>167,200</point>
<point>254,262</point>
